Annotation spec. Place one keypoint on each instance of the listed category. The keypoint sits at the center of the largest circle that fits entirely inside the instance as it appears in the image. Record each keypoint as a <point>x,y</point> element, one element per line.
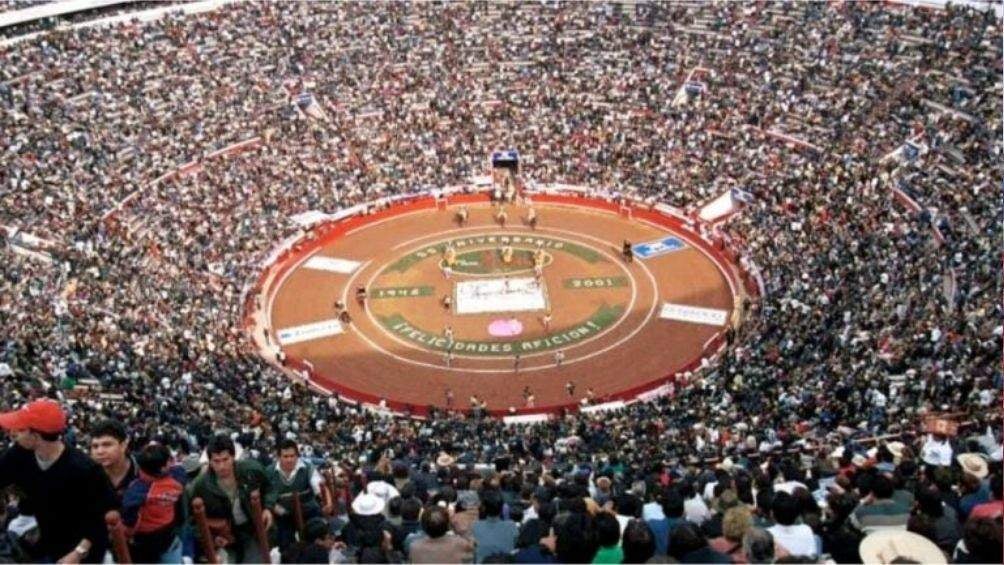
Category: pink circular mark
<point>505,328</point>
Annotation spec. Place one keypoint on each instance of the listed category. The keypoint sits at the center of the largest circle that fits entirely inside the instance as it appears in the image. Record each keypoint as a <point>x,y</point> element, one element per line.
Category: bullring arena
<point>492,333</point>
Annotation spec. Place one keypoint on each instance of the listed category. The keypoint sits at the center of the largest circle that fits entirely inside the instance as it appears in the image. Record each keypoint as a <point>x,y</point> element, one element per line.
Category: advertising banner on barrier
<point>332,264</point>
<point>307,332</point>
<point>693,314</point>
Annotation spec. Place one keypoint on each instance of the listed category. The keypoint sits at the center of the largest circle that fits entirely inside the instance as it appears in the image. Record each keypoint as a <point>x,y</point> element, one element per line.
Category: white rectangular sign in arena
<point>693,314</point>
<point>307,332</point>
<point>333,264</point>
<point>499,295</point>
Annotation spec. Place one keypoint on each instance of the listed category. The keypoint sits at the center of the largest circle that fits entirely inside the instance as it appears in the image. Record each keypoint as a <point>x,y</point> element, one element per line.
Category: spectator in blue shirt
<point>672,508</point>
<point>493,534</point>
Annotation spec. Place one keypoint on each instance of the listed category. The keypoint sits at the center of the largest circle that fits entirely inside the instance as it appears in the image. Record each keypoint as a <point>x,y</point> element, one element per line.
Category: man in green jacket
<point>225,488</point>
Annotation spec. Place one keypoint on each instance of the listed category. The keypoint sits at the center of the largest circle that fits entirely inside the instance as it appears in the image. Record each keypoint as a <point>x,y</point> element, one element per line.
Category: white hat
<point>22,525</point>
<point>383,490</point>
<point>726,465</point>
<point>973,464</point>
<point>886,545</point>
<point>367,505</point>
<point>896,448</point>
<point>444,460</point>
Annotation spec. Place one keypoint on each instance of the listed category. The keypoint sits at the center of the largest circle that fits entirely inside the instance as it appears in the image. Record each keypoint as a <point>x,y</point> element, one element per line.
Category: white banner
<point>693,314</point>
<point>525,419</point>
<point>310,217</point>
<point>333,264</point>
<point>307,332</point>
<point>655,393</point>
<point>500,295</point>
<point>720,207</point>
<point>606,407</point>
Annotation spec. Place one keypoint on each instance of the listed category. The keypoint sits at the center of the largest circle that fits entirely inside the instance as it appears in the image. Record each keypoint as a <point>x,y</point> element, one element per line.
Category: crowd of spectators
<point>85,15</point>
<point>874,314</point>
<point>11,5</point>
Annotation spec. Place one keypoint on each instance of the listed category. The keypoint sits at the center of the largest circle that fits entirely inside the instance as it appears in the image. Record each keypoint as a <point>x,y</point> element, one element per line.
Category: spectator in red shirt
<point>994,508</point>
<point>153,507</point>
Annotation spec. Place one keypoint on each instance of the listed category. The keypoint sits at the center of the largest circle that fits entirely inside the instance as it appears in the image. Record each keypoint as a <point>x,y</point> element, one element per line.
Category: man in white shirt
<point>694,508</point>
<point>796,539</point>
<point>937,451</point>
<point>652,511</point>
<point>792,479</point>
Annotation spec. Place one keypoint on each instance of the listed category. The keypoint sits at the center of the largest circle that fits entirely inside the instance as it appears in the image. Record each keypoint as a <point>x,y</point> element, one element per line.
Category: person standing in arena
<point>69,494</point>
<point>449,260</point>
<point>507,253</point>
<point>531,218</point>
<point>501,217</point>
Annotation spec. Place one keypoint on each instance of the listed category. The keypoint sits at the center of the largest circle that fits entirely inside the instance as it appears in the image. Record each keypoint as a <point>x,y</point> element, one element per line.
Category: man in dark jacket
<point>293,477</point>
<point>153,507</point>
<point>67,492</point>
<point>225,488</point>
<point>411,509</point>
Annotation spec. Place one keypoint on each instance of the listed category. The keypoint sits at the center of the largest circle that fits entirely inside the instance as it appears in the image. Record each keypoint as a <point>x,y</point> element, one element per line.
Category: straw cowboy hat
<point>885,546</point>
<point>896,448</point>
<point>367,505</point>
<point>973,464</point>
<point>726,465</point>
<point>382,490</point>
<point>444,460</point>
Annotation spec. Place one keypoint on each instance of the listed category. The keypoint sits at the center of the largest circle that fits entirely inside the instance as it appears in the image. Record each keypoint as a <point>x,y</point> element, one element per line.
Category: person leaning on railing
<point>293,479</point>
<point>226,490</point>
<point>68,493</point>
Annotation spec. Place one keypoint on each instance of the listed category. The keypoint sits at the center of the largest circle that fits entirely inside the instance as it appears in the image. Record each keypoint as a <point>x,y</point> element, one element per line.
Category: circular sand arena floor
<point>455,310</point>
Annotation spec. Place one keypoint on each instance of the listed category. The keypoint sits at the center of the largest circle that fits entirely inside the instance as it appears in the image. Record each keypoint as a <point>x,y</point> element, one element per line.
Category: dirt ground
<point>631,346</point>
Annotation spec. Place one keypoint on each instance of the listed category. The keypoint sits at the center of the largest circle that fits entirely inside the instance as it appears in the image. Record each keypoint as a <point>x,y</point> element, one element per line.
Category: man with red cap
<point>67,492</point>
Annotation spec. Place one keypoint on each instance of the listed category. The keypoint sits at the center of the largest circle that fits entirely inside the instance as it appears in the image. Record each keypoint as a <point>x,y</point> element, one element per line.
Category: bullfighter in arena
<point>462,215</point>
<point>449,260</point>
<point>507,254</point>
<point>628,252</point>
<point>531,218</point>
<point>546,322</point>
<point>450,256</point>
<point>538,262</point>
<point>501,217</point>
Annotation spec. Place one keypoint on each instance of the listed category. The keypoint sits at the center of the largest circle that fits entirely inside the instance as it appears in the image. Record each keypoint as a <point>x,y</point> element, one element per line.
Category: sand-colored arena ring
<point>492,312</point>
